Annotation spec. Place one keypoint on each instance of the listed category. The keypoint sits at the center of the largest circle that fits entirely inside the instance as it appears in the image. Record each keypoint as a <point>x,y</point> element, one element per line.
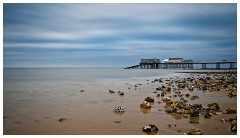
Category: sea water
<point>35,98</point>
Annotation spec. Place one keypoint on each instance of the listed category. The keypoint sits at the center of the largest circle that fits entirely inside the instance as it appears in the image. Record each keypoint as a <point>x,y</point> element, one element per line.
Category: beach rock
<point>204,87</point>
<point>213,106</point>
<point>120,93</point>
<point>183,100</point>
<point>117,122</point>
<point>81,90</point>
<point>180,95</point>
<point>155,80</point>
<point>186,116</point>
<point>208,78</point>
<point>158,95</point>
<point>230,111</point>
<point>223,120</point>
<point>150,128</point>
<point>62,119</point>
<point>165,99</point>
<point>111,91</point>
<point>194,112</point>
<point>168,103</point>
<point>181,85</point>
<point>190,88</point>
<point>118,109</point>
<point>216,113</point>
<point>169,110</point>
<point>178,111</point>
<point>234,128</point>
<point>193,122</point>
<point>177,104</point>
<point>194,97</point>
<point>178,92</point>
<point>162,94</point>
<point>187,107</point>
<point>196,106</point>
<point>195,131</point>
<point>168,89</point>
<point>234,125</point>
<point>187,95</point>
<point>149,99</point>
<point>208,115</point>
<point>145,104</point>
<point>232,94</point>
<point>171,125</point>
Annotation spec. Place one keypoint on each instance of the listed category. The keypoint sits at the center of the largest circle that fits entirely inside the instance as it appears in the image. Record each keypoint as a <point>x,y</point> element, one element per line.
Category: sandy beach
<point>90,110</point>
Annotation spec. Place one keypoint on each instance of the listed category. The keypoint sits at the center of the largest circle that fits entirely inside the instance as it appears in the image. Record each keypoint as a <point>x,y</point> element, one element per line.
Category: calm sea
<point>34,98</point>
<point>79,73</point>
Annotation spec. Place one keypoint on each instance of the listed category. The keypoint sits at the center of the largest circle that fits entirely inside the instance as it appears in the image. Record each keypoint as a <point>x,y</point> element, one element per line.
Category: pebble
<point>145,104</point>
<point>62,119</point>
<point>149,99</point>
<point>120,93</point>
<point>119,109</point>
<point>117,122</point>
<point>171,125</point>
<point>111,91</point>
<point>213,106</point>
<point>150,128</point>
<point>193,122</point>
<point>195,131</point>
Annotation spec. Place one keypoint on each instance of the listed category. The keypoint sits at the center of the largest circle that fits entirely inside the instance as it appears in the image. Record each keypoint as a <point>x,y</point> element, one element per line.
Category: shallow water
<point>34,99</point>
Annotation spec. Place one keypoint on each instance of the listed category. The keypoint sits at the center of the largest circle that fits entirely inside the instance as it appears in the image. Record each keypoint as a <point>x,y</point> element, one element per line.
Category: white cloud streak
<point>120,29</point>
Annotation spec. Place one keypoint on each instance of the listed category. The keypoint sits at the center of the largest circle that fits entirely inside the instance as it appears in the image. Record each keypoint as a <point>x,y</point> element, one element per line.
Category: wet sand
<point>88,112</point>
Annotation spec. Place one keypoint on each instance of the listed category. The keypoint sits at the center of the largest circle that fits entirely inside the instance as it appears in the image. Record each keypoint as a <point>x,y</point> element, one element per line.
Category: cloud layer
<point>118,35</point>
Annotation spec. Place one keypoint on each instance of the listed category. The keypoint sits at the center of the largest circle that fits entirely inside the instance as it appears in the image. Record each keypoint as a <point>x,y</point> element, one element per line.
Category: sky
<point>116,35</point>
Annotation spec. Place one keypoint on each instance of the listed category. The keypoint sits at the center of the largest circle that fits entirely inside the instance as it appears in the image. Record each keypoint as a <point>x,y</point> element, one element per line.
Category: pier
<point>186,65</point>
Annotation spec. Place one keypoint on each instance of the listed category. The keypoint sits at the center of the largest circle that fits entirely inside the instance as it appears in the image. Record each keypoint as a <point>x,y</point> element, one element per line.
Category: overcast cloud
<point>116,35</point>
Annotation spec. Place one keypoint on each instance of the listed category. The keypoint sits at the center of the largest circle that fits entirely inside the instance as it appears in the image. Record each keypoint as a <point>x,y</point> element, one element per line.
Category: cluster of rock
<point>119,92</point>
<point>147,102</point>
<point>224,82</point>
<point>227,82</point>
<point>194,110</point>
<point>195,131</point>
<point>119,109</point>
<point>150,129</point>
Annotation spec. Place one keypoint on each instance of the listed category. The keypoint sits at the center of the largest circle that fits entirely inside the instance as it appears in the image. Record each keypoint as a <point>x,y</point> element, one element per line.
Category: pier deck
<point>186,65</point>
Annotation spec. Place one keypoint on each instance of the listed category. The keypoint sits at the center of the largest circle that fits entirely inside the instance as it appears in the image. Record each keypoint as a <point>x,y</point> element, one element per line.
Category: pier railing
<point>187,65</point>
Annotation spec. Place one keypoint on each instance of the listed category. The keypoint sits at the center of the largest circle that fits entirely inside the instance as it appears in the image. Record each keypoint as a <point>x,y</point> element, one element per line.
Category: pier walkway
<point>187,65</point>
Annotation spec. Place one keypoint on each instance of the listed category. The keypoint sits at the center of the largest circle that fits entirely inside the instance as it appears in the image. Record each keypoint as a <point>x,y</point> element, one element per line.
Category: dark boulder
<point>149,99</point>
<point>213,106</point>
